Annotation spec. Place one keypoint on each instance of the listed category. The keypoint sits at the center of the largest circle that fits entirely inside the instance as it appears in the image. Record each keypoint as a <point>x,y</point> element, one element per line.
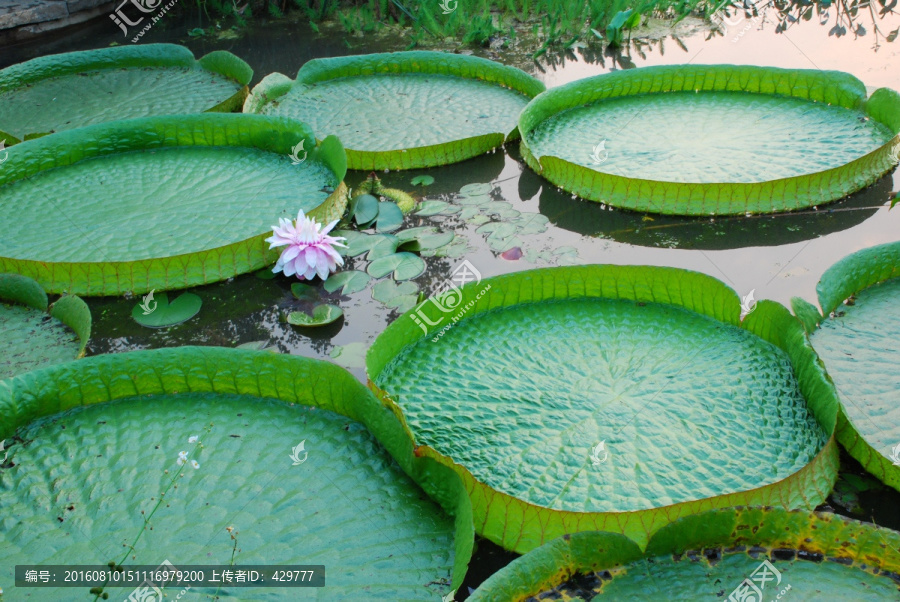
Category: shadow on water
<point>728,232</point>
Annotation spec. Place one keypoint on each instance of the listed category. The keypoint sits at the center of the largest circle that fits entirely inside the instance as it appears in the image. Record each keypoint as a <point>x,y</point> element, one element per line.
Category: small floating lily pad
<point>365,210</point>
<point>476,189</point>
<point>155,311</point>
<point>352,281</point>
<point>63,91</point>
<point>404,266</point>
<point>409,109</point>
<point>390,217</point>
<point>322,315</point>
<point>428,208</point>
<point>422,181</point>
<point>712,139</point>
<point>402,296</point>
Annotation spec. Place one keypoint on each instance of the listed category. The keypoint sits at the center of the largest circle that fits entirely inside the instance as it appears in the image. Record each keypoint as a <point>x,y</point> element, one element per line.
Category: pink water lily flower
<point>310,251</point>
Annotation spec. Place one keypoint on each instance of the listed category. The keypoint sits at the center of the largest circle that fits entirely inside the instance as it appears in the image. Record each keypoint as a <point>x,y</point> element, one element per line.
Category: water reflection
<point>663,231</point>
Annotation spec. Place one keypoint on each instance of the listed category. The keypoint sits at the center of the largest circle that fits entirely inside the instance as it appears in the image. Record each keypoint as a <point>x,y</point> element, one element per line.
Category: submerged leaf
<point>352,281</point>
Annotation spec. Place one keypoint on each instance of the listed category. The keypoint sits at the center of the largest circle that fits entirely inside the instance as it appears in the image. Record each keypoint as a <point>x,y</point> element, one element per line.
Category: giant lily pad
<point>859,341</point>
<point>63,91</point>
<point>33,335</point>
<point>515,382</point>
<point>712,139</point>
<point>161,202</point>
<point>402,110</point>
<point>103,431</point>
<point>750,554</point>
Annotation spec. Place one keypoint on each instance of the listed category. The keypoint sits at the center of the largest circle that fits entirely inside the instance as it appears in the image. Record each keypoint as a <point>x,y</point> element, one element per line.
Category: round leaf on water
<point>366,210</point>
<point>531,223</point>
<point>476,189</point>
<point>352,281</point>
<point>404,266</point>
<point>712,139</point>
<point>481,199</point>
<point>859,342</point>
<point>428,241</point>
<point>412,233</point>
<point>261,406</point>
<point>155,311</point>
<point>351,355</point>
<point>322,315</point>
<point>236,164</point>
<point>387,291</point>
<point>377,245</point>
<point>390,217</point>
<point>409,109</point>
<point>122,82</point>
<point>422,181</point>
<point>428,208</point>
<point>598,353</point>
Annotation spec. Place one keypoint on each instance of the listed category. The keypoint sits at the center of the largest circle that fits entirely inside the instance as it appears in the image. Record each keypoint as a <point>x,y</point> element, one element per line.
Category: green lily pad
<point>730,554</point>
<point>531,223</point>
<point>412,233</point>
<point>858,341</point>
<point>155,311</point>
<point>469,212</point>
<point>404,266</point>
<point>390,217</point>
<point>80,420</point>
<point>451,210</point>
<point>476,189</point>
<point>323,315</point>
<point>352,281</point>
<point>580,356</point>
<point>365,210</point>
<point>422,181</point>
<point>377,244</point>
<point>238,164</point>
<point>477,220</point>
<point>32,337</point>
<point>428,241</point>
<point>402,296</point>
<point>257,346</point>
<point>428,208</point>
<point>712,139</point>
<point>307,292</point>
<point>63,91</point>
<point>410,109</point>
<point>481,199</point>
<point>501,209</point>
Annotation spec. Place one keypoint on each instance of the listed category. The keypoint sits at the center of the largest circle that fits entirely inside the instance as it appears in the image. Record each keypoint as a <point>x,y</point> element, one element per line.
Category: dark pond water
<point>777,256</point>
